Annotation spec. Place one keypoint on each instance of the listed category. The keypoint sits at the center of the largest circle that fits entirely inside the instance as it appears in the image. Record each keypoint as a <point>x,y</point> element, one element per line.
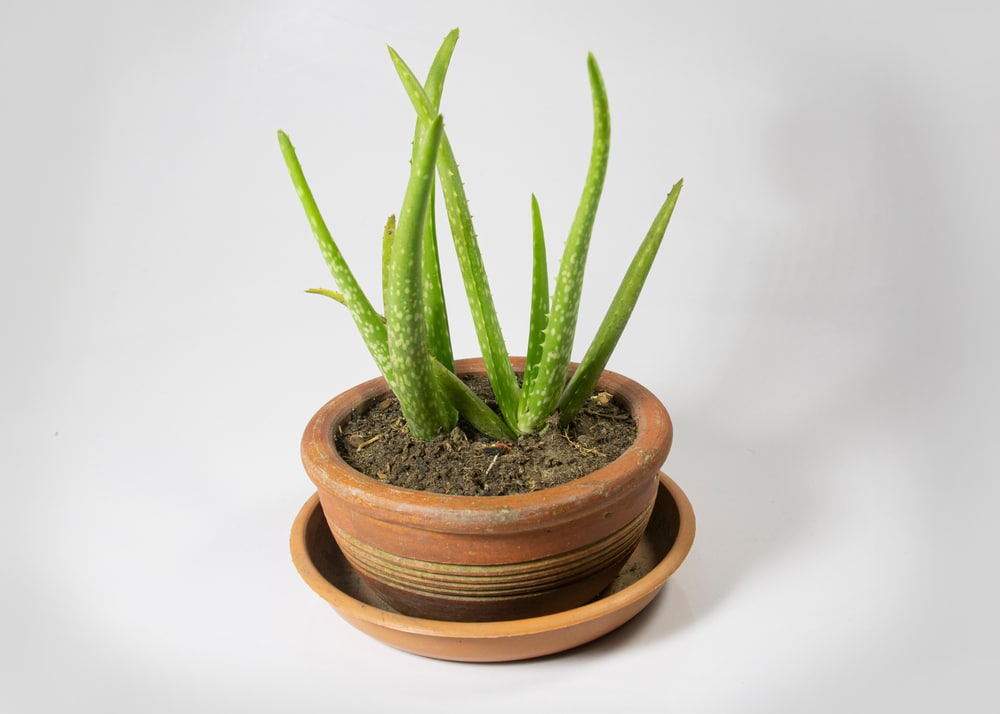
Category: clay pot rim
<point>590,492</point>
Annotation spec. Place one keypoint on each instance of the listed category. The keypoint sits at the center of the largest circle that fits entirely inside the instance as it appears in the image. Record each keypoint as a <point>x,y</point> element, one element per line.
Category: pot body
<point>470,558</point>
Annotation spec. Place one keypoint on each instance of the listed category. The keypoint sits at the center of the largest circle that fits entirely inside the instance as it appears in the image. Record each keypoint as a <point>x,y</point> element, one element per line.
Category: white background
<point>821,324</point>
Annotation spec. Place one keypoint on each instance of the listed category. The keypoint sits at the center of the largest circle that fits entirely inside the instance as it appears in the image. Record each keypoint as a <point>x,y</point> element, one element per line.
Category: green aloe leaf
<point>484,316</point>
<point>415,385</point>
<point>369,322</point>
<point>332,294</point>
<point>388,236</point>
<point>471,407</point>
<point>435,309</point>
<point>539,297</point>
<point>582,384</point>
<point>335,296</point>
<point>547,386</point>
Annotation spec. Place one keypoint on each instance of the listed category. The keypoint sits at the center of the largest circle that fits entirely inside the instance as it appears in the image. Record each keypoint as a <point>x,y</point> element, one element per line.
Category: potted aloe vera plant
<point>453,556</point>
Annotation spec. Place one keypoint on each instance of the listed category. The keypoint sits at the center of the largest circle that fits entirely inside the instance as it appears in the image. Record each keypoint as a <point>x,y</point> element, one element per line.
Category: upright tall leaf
<point>388,236</point>
<point>617,316</point>
<point>484,317</point>
<point>435,309</point>
<point>539,298</point>
<point>415,385</point>
<point>541,400</point>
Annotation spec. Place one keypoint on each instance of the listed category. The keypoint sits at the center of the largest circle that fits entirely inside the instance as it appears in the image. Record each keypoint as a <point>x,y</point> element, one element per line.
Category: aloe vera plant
<point>410,342</point>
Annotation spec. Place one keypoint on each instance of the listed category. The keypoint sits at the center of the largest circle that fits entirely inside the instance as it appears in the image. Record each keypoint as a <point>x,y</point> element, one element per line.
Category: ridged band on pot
<point>492,557</point>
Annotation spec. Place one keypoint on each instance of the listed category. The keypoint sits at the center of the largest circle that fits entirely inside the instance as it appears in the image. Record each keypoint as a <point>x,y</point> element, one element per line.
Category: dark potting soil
<point>464,462</point>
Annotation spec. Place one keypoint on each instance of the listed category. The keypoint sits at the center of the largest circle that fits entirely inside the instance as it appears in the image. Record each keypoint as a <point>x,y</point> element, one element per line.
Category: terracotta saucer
<point>664,546</point>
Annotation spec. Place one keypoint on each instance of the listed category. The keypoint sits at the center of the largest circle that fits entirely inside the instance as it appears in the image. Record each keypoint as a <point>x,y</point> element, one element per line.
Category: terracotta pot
<point>477,559</point>
<point>664,546</point>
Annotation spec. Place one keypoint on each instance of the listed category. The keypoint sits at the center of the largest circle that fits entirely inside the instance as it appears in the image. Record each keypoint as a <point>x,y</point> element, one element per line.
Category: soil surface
<point>464,462</point>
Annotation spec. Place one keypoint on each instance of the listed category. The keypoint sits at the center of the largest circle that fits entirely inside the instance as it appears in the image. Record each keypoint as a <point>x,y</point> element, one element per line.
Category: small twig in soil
<point>587,451</point>
<point>372,440</point>
<point>605,414</point>
<point>490,467</point>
